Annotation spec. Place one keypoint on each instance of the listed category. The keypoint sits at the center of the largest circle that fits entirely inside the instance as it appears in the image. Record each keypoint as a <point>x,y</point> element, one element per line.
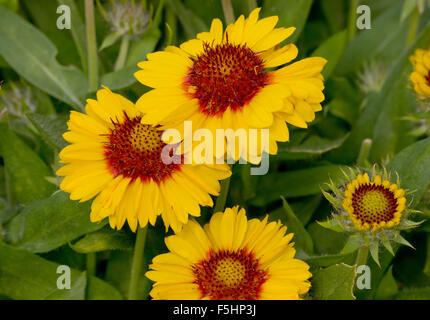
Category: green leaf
<point>408,7</point>
<point>331,224</point>
<point>50,128</point>
<point>102,240</point>
<point>242,7</point>
<point>380,120</point>
<point>292,13</point>
<point>413,166</point>
<point>50,223</point>
<point>209,9</point>
<point>27,276</point>
<point>335,13</point>
<point>344,110</point>
<point>330,259</point>
<point>334,283</point>
<point>192,23</point>
<point>31,54</point>
<point>144,46</point>
<point>353,244</point>
<point>387,289</point>
<point>313,144</point>
<point>301,237</point>
<point>25,169</point>
<point>306,207</point>
<point>331,49</point>
<point>76,291</point>
<point>12,5</point>
<point>414,294</point>
<point>387,245</point>
<point>399,239</point>
<point>78,31</point>
<point>326,241</point>
<point>373,43</point>
<point>273,185</point>
<point>330,198</point>
<point>110,39</point>
<point>374,252</point>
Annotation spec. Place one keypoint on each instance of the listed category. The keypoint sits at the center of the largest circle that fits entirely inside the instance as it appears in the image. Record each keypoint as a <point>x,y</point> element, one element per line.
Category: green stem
<point>352,19</point>
<point>222,198</point>
<point>91,264</point>
<point>227,8</point>
<point>362,255</point>
<point>91,46</point>
<point>136,267</point>
<point>122,55</point>
<point>363,156</point>
<point>413,27</point>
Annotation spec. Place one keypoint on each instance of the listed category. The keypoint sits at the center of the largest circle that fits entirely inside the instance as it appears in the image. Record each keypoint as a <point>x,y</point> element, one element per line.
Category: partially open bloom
<point>115,157</point>
<point>371,208</point>
<point>227,80</point>
<point>230,258</point>
<point>420,77</point>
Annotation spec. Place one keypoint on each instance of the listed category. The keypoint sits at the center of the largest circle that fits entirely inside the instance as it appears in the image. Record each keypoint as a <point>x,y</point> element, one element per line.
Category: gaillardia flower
<point>371,208</point>
<point>230,258</point>
<point>115,157</point>
<point>420,77</point>
<point>233,79</point>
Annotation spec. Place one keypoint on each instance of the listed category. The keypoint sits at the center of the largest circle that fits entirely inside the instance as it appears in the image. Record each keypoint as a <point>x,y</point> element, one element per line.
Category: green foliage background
<point>40,228</point>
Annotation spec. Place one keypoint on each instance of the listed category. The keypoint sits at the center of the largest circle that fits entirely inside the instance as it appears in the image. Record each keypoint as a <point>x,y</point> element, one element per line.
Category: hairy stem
<point>136,267</point>
<point>93,77</point>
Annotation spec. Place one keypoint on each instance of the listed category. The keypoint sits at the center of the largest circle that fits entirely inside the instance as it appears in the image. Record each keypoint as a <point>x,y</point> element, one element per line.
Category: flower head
<point>420,77</point>
<point>373,204</point>
<point>128,17</point>
<point>371,208</point>
<point>226,80</point>
<point>115,157</point>
<point>230,258</point>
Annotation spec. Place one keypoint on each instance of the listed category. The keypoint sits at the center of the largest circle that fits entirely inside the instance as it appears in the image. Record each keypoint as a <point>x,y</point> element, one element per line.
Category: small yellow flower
<point>226,80</point>
<point>371,209</point>
<point>230,258</point>
<point>117,159</point>
<point>374,204</point>
<point>420,77</point>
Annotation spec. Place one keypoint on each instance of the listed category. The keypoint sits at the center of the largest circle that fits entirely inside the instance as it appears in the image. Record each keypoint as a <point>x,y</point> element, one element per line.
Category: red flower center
<point>225,76</point>
<point>230,275</point>
<point>428,78</point>
<point>374,204</point>
<point>134,150</point>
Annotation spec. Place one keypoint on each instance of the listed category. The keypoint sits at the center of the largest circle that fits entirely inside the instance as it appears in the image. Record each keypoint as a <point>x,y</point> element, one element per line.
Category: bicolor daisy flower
<point>233,79</point>
<point>230,258</point>
<point>118,160</point>
<point>371,208</point>
<point>420,77</point>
